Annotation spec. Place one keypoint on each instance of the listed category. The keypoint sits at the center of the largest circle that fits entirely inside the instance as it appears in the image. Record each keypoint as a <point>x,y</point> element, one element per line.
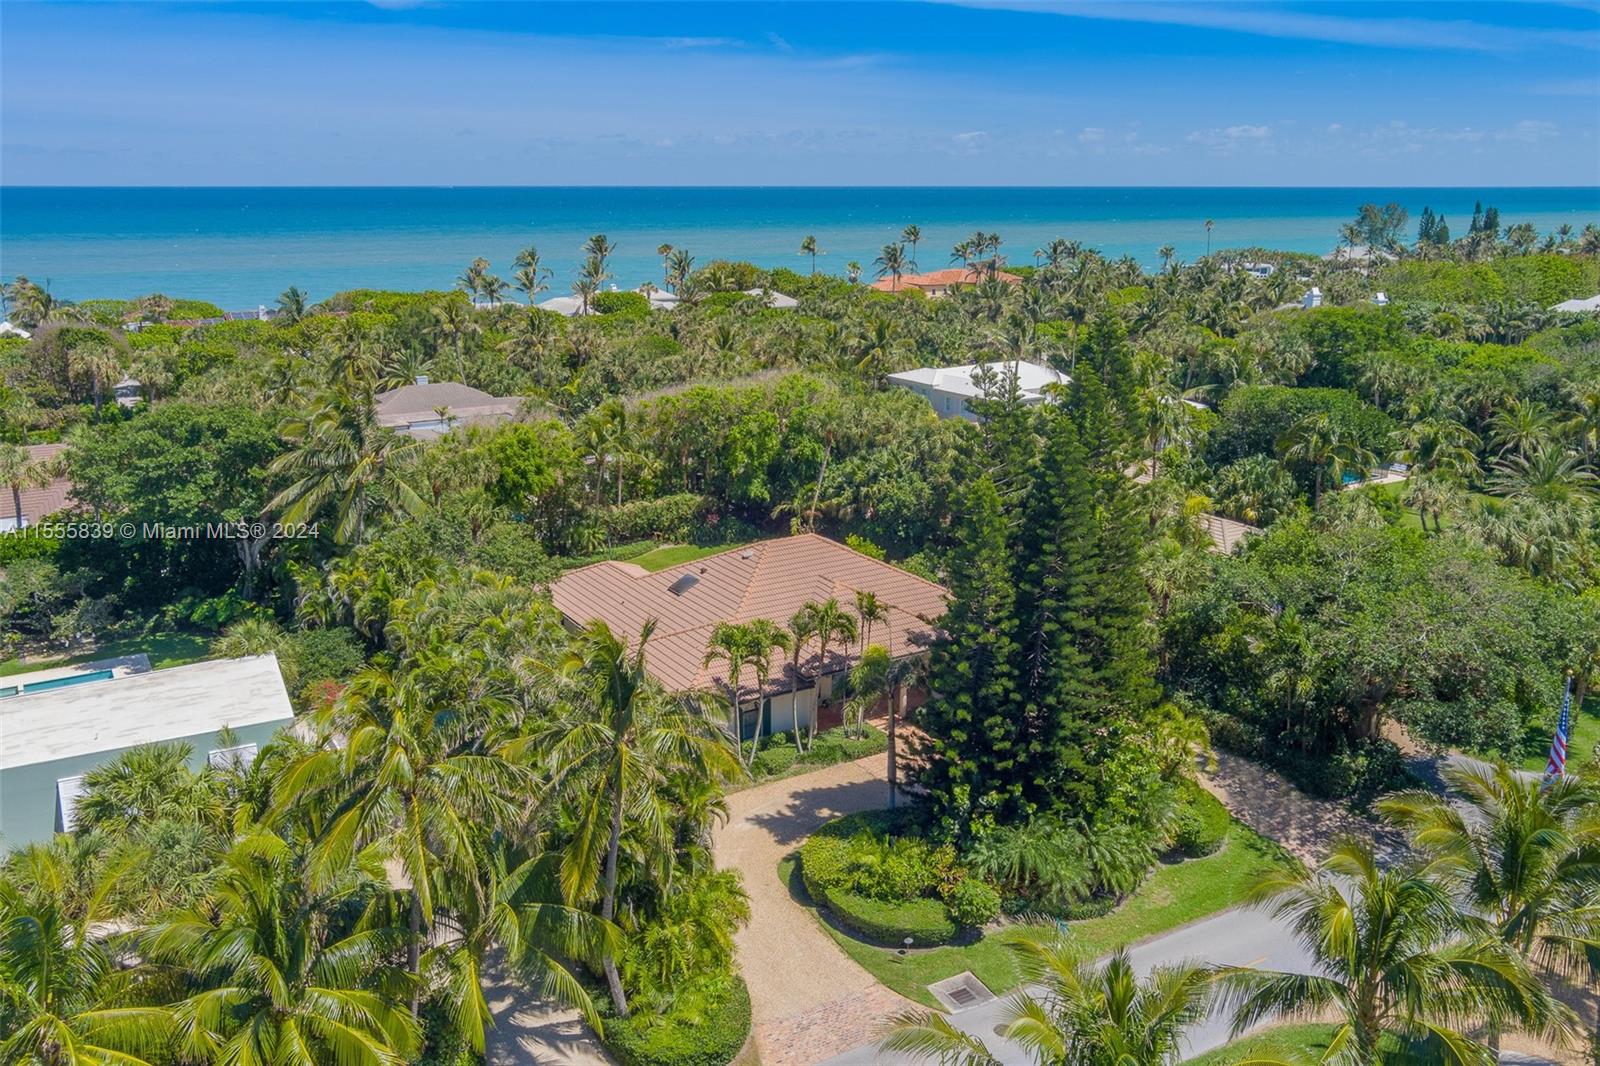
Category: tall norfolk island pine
<point>1043,665</point>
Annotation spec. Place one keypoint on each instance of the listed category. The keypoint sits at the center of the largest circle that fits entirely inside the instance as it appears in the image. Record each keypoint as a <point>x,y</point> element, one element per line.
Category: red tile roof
<point>939,279</point>
<point>42,502</point>
<point>770,579</point>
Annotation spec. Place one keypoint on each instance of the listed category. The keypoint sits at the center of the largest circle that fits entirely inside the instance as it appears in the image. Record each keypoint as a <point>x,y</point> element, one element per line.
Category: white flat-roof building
<point>774,299</point>
<point>949,388</point>
<point>1590,305</point>
<point>56,726</point>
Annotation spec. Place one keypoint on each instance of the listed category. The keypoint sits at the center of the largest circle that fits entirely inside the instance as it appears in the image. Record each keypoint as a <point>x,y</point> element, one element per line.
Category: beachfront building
<point>941,282</point>
<point>770,579</point>
<point>433,408</point>
<point>57,725</point>
<point>37,502</point>
<point>949,388</point>
<point>772,298</point>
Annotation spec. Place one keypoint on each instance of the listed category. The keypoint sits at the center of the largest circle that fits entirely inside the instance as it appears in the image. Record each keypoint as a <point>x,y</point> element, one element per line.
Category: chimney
<point>422,379</point>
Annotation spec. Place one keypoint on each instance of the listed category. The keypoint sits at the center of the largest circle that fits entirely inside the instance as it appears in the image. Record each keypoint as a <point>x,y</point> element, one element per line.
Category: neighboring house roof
<point>562,305</point>
<point>940,279</point>
<point>8,330</point>
<point>1590,304</point>
<point>142,708</point>
<point>770,579</point>
<point>36,503</point>
<point>1225,533</point>
<point>958,380</point>
<point>775,299</point>
<point>419,404</point>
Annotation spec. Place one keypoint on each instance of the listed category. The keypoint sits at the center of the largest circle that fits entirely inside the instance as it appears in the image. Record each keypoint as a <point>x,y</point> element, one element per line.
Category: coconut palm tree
<point>664,250</point>
<point>680,267</point>
<point>765,638</point>
<point>471,279</point>
<point>1083,1012</point>
<point>613,747</point>
<point>891,261</point>
<point>599,248</point>
<point>292,305</point>
<point>1439,446</point>
<point>1166,252</point>
<point>809,247</point>
<point>830,622</point>
<point>852,271</point>
<point>339,457</point>
<point>912,235</point>
<point>451,325</point>
<point>1521,851</point>
<point>801,630</point>
<point>531,277</point>
<point>735,646</point>
<point>410,780</point>
<point>1318,441</point>
<point>869,611</point>
<point>20,471</point>
<point>101,361</point>
<point>65,998</point>
<point>1397,963</point>
<point>279,980</point>
<point>1209,225</point>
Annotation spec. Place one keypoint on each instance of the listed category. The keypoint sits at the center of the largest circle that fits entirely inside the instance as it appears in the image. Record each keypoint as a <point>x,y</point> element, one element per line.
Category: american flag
<point>1558,747</point>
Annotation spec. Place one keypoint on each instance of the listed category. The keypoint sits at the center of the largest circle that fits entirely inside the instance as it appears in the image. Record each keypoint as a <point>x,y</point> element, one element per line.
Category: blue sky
<point>1047,93</point>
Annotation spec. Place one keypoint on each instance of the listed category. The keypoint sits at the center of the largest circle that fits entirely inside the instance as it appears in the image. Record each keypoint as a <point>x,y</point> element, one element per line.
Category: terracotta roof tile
<point>38,503</point>
<point>770,579</point>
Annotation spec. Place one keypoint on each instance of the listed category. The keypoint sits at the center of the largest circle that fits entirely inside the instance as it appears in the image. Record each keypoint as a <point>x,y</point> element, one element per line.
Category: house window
<point>68,792</point>
<point>223,758</point>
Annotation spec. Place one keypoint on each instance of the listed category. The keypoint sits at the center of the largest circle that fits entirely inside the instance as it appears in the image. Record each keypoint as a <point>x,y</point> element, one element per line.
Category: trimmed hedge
<point>926,921</point>
<point>679,1038</point>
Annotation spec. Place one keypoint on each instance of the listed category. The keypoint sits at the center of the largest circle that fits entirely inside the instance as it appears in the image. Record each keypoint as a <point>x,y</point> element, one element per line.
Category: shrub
<point>705,1023</point>
<point>774,759</point>
<point>926,921</point>
<point>972,902</point>
<point>326,654</point>
<point>1201,823</point>
<point>834,746</point>
<point>1094,907</point>
<point>620,303</point>
<point>672,518</point>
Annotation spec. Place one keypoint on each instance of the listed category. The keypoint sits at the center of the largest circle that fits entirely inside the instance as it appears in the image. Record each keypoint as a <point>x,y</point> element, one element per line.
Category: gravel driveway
<point>810,1001</point>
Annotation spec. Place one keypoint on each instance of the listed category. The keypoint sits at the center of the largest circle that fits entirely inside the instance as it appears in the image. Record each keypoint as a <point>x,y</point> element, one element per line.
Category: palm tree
<point>912,235</point>
<point>1083,1012</point>
<point>1439,446</point>
<point>411,780</point>
<point>891,261</point>
<point>1397,962</point>
<point>1317,440</point>
<point>809,247</point>
<point>340,457</point>
<point>801,631</point>
<point>100,361</point>
<point>1166,252</point>
<point>19,471</point>
<point>665,252</point>
<point>471,279</point>
<point>869,611</point>
<point>532,276</point>
<point>830,622</point>
<point>905,673</point>
<point>1520,426</point>
<point>735,645</point>
<point>614,747</point>
<point>599,249</point>
<point>451,325</point>
<point>1521,851</point>
<point>65,999</point>
<point>1549,473</point>
<point>680,267</point>
<point>765,638</point>
<point>1209,225</point>
<point>852,271</point>
<point>278,983</point>
<point>590,277</point>
<point>292,305</point>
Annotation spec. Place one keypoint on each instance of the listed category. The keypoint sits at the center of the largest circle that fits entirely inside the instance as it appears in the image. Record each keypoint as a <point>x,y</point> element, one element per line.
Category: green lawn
<point>165,648</point>
<point>1397,489</point>
<point>1172,896</point>
<point>674,554</point>
<point>1585,735</point>
<point>1293,1043</point>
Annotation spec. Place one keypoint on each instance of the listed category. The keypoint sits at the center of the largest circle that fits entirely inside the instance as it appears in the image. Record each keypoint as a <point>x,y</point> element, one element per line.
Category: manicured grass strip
<point>165,649</point>
<point>1172,896</point>
<point>674,554</point>
<point>1293,1043</point>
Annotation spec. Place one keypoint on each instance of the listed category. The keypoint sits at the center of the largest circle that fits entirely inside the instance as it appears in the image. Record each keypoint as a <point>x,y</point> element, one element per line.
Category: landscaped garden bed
<point>706,1024</point>
<point>779,758</point>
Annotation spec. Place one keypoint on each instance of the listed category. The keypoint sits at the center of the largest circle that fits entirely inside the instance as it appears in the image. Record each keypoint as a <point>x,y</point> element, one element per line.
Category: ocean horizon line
<point>779,187</point>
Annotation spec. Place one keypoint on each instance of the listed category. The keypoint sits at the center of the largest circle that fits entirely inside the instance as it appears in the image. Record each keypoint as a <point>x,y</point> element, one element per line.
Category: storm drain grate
<point>960,992</point>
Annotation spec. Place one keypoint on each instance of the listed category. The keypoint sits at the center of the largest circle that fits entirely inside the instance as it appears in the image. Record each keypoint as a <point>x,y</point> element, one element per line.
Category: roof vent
<point>748,553</point>
<point>683,584</point>
<point>422,379</point>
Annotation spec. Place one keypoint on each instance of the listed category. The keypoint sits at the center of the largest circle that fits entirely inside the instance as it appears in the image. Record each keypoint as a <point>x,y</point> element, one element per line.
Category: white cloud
<point>970,137</point>
<point>1226,138</point>
<point>779,43</point>
<point>1091,135</point>
<point>1529,131</point>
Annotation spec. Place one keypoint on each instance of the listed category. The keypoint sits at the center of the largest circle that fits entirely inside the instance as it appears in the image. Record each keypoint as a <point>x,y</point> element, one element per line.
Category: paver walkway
<point>1266,802</point>
<point>528,1030</point>
<point>809,1000</point>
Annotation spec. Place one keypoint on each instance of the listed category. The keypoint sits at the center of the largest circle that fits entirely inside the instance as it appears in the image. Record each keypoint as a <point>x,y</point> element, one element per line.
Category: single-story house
<point>432,408</point>
<point>56,725</point>
<point>563,305</point>
<point>37,503</point>
<point>1591,305</point>
<point>771,579</point>
<point>774,299</point>
<point>1225,533</point>
<point>939,282</point>
<point>949,388</point>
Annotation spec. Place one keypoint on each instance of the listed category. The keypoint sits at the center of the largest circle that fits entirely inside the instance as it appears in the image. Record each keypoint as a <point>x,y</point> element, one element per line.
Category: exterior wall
<point>780,713</point>
<point>28,807</point>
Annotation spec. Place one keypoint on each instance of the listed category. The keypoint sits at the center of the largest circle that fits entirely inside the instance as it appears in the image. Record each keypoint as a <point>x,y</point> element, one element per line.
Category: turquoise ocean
<point>240,247</point>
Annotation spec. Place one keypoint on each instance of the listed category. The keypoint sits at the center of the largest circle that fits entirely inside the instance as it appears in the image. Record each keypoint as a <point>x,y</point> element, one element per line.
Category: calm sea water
<point>242,246</point>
